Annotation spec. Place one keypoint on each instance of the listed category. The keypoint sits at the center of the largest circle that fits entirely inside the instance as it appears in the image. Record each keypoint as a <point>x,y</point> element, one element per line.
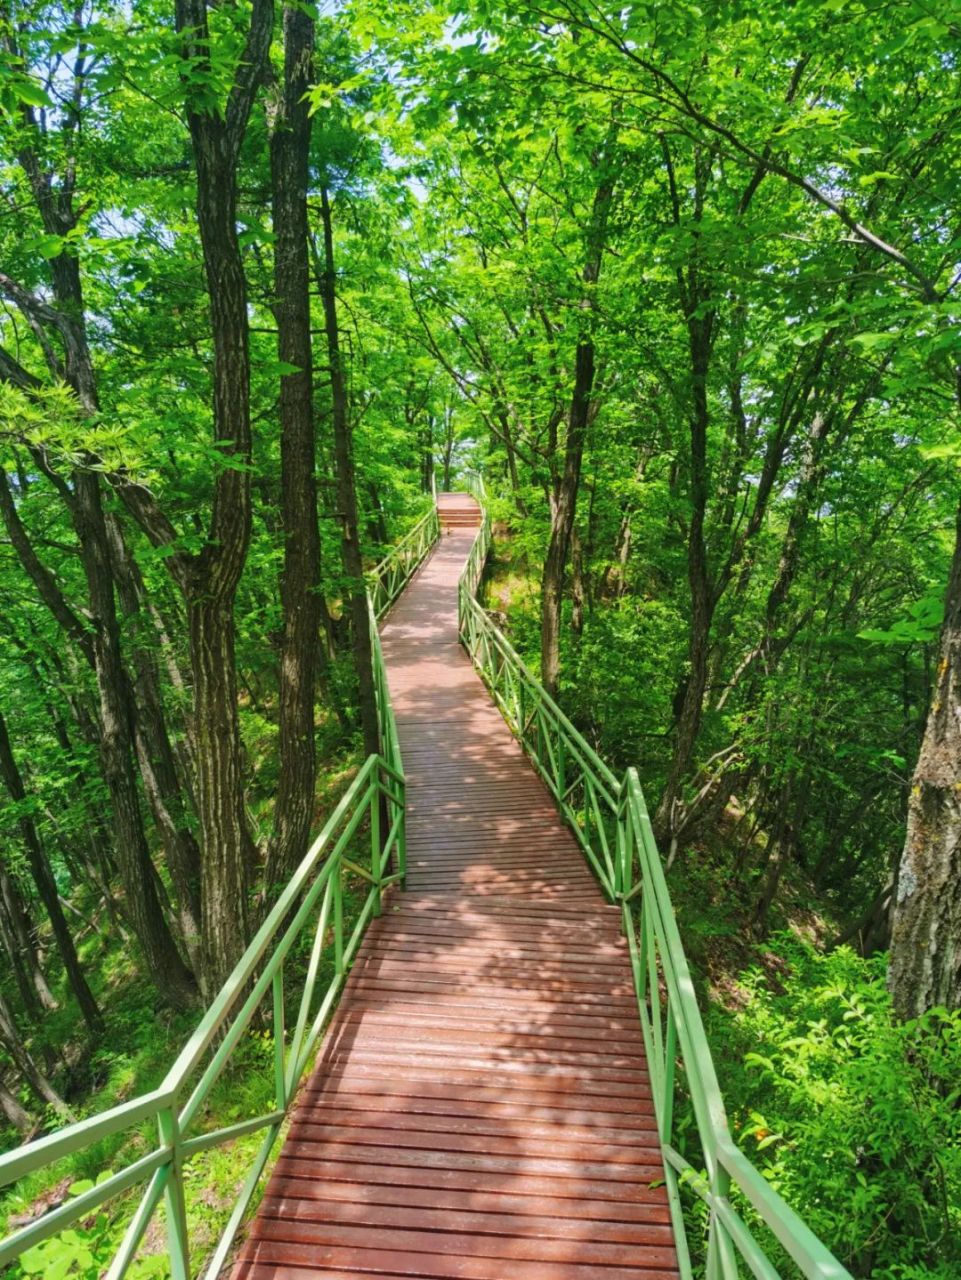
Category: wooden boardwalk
<point>481,1110</point>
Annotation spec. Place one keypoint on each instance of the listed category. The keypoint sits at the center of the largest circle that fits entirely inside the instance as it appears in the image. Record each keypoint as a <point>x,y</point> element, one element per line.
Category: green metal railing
<point>609,818</point>
<point>362,843</point>
<point>387,579</point>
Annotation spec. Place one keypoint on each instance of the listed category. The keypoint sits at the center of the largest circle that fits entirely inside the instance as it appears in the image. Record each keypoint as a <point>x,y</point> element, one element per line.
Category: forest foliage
<point>682,279</point>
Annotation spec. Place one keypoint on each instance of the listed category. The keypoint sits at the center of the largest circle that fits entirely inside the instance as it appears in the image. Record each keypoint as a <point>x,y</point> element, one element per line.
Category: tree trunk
<point>170,805</point>
<point>300,578</point>
<point>210,580</point>
<point>925,958</point>
<point>24,1061</point>
<point>17,943</point>
<point>565,489</point>
<point>347,496</point>
<point>46,885</point>
<point>101,645</point>
<point>702,602</point>
<point>14,1112</point>
<point>577,584</point>
<point>117,718</point>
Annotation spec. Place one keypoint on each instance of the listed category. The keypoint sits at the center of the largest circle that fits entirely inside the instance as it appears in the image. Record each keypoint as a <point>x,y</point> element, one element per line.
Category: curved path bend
<point>481,1109</point>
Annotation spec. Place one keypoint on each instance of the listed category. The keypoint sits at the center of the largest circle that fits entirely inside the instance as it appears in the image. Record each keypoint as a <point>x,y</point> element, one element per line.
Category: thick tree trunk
<point>46,885</point>
<point>210,579</point>
<point>227,846</point>
<point>925,958</point>
<point>300,579</point>
<point>347,496</point>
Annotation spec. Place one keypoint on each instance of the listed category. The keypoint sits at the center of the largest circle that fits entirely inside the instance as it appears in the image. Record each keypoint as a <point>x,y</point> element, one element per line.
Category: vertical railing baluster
<point>178,1238</point>
<point>376,852</point>
<point>338,885</point>
<point>401,842</point>
<point>280,1036</point>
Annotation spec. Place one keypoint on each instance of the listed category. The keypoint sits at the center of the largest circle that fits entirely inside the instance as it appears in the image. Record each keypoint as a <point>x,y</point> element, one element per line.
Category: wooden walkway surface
<point>482,1108</point>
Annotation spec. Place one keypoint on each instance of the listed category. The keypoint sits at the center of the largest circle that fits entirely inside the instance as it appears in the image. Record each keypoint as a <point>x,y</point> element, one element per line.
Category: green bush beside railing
<point>362,842</point>
<point>609,818</point>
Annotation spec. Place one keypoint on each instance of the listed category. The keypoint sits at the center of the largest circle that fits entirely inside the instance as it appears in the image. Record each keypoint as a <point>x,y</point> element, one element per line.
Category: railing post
<point>178,1239</point>
<point>280,1035</point>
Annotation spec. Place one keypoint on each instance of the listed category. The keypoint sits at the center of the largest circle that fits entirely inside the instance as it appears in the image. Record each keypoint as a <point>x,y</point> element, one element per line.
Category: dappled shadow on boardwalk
<point>482,1107</point>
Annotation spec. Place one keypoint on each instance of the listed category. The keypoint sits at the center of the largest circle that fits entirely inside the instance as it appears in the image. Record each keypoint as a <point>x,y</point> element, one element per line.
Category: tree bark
<point>210,579</point>
<point>347,496</point>
<point>925,957</point>
<point>46,885</point>
<point>300,578</point>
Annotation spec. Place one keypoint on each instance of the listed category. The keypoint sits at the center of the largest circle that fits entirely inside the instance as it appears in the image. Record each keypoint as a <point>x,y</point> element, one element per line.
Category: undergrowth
<point>139,1044</point>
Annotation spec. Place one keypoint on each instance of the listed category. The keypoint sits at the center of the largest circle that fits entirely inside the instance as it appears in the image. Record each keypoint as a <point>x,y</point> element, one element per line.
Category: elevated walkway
<point>482,1108</point>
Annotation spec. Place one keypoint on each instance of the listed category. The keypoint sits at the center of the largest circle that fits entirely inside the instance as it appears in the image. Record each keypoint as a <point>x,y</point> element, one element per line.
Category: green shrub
<point>852,1116</point>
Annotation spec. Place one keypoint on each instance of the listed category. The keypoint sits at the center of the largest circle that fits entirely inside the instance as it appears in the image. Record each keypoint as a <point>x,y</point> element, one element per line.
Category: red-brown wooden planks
<point>482,1108</point>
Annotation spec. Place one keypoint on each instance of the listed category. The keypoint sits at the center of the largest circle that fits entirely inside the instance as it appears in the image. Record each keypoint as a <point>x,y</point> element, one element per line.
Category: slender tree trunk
<point>376,524</point>
<point>170,805</point>
<point>426,441</point>
<point>565,490</point>
<point>101,644</point>
<point>702,601</point>
<point>347,496</point>
<point>577,584</point>
<point>925,957</point>
<point>46,885</point>
<point>14,1112</point>
<point>117,719</point>
<point>300,578</point>
<point>18,945</point>
<point>24,1061</point>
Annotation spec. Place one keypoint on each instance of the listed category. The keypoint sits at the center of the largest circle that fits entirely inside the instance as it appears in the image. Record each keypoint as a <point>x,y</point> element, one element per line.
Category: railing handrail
<point>408,539</point>
<point>316,884</point>
<point>390,575</point>
<point>630,869</point>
